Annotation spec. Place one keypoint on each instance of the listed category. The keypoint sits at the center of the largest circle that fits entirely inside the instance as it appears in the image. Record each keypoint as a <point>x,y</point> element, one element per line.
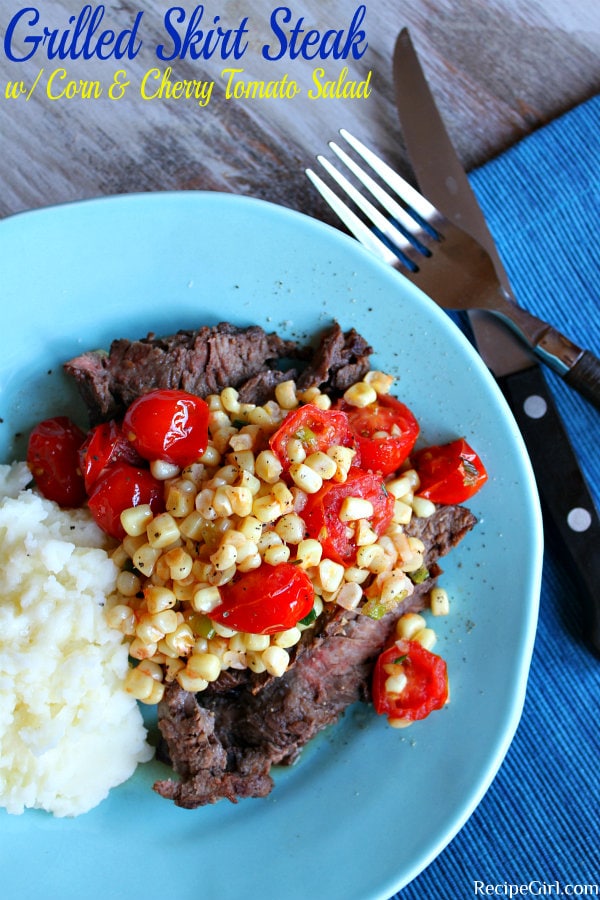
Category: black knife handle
<point>563,490</point>
<point>584,376</point>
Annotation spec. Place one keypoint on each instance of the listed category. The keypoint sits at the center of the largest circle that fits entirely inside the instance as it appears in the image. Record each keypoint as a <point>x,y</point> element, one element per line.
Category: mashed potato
<point>68,730</point>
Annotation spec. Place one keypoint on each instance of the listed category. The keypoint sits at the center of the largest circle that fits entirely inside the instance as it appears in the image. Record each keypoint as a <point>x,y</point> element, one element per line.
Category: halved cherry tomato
<point>316,429</point>
<point>104,446</point>
<point>265,600</point>
<point>322,513</point>
<point>53,460</point>
<point>449,473</point>
<point>171,425</point>
<point>426,687</point>
<point>384,454</point>
<point>121,487</point>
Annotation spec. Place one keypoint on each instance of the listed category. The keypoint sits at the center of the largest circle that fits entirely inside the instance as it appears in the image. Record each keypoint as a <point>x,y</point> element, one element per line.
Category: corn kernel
<point>284,497</point>
<point>276,555</point>
<point>158,599</point>
<point>203,665</point>
<point>309,553</point>
<point>230,400</point>
<point>251,528</point>
<point>128,583</point>
<point>330,575</point>
<point>165,621</point>
<point>349,595</point>
<point>151,668</point>
<point>306,478</point>
<point>206,598</point>
<point>408,625</point>
<point>426,637</point>
<point>122,618</point>
<point>180,499</point>
<point>439,601</point>
<point>136,519</point>
<point>360,394</point>
<point>139,649</point>
<point>156,694</point>
<point>291,528</point>
<point>354,508</point>
<point>395,587</point>
<point>188,683</point>
<point>323,464</point>
<point>287,638</point>
<point>211,456</point>
<point>138,683</point>
<point>181,640</point>
<point>255,642</point>
<point>162,531</point>
<point>285,394</point>
<point>422,507</point>
<point>179,563</point>
<point>145,559</point>
<point>380,381</point>
<point>266,509</point>
<point>395,684</point>
<point>276,660</point>
<point>342,456</point>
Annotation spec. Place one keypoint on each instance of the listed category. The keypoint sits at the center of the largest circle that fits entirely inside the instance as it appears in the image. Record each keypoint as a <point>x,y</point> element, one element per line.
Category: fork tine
<point>402,188</point>
<point>356,226</point>
<point>383,225</point>
<point>397,212</point>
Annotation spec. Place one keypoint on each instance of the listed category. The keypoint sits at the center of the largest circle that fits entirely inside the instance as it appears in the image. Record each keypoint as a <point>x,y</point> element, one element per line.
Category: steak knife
<point>563,490</point>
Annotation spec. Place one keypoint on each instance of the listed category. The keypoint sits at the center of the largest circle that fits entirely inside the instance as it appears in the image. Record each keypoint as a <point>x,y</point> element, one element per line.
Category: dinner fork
<point>444,261</point>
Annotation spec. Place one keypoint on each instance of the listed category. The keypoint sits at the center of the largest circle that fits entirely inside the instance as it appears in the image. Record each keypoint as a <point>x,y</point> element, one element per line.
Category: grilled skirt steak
<point>207,360</point>
<point>223,742</point>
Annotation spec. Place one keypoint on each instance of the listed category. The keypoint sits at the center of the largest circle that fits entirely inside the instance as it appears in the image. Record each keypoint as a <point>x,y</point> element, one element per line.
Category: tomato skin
<point>321,513</point>
<point>265,600</point>
<point>449,473</point>
<point>427,682</point>
<point>121,487</point>
<point>318,429</point>
<point>104,446</point>
<point>53,460</point>
<point>170,425</point>
<point>378,454</point>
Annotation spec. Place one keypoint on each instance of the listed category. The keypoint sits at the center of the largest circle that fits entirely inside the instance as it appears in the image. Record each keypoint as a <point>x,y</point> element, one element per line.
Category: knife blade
<point>565,495</point>
<point>579,368</point>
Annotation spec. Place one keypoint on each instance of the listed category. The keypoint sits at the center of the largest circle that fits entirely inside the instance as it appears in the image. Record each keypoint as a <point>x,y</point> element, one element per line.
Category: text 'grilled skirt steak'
<point>223,742</point>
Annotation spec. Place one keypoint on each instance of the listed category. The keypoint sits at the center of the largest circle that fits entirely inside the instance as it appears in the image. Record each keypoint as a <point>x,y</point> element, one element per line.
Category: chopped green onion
<point>419,575</point>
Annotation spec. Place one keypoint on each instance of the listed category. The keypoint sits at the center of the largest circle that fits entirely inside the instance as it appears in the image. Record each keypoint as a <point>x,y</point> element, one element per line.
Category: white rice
<point>68,730</point>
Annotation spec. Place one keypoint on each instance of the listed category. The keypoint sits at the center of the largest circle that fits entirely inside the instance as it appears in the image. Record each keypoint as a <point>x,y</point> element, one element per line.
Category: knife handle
<point>584,376</point>
<point>563,490</point>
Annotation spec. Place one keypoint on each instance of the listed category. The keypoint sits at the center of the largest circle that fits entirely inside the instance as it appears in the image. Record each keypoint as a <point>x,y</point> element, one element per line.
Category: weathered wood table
<point>498,69</point>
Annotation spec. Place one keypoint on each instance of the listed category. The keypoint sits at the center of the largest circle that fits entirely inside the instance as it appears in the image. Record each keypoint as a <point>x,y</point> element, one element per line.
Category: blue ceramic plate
<point>367,807</point>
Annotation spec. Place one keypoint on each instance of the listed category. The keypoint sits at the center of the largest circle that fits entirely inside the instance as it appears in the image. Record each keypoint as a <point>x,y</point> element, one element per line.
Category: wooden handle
<point>565,496</point>
<point>584,377</point>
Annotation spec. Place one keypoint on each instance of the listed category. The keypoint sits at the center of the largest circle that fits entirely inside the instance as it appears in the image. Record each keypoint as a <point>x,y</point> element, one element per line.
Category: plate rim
<point>530,623</point>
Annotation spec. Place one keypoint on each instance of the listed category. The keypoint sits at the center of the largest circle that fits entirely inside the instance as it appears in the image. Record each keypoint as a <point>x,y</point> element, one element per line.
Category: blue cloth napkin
<point>537,830</point>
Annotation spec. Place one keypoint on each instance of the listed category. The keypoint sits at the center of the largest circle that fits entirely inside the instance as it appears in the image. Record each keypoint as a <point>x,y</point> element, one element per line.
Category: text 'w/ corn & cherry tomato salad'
<point>236,525</point>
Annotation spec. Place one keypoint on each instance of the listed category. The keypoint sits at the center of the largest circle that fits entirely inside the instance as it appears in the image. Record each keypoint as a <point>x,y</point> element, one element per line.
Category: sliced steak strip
<point>222,743</point>
<point>207,360</point>
<point>202,362</point>
<point>340,360</point>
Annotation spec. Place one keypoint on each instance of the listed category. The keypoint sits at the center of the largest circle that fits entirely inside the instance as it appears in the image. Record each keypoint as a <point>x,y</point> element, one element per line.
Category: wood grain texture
<point>498,68</point>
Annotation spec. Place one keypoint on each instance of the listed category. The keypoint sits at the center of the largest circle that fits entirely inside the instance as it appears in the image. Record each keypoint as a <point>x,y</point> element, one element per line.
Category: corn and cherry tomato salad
<point>237,524</point>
